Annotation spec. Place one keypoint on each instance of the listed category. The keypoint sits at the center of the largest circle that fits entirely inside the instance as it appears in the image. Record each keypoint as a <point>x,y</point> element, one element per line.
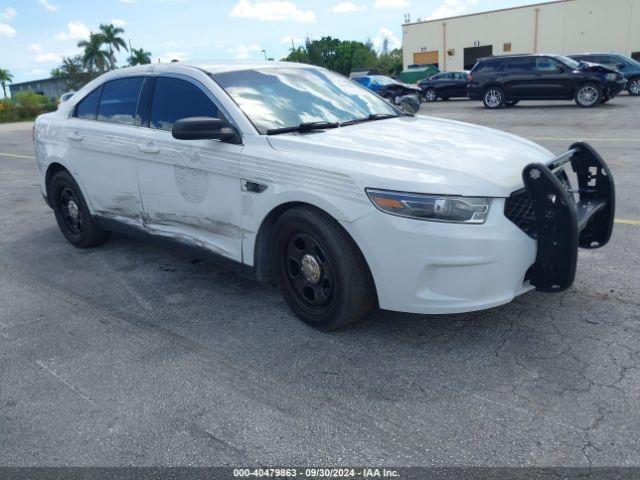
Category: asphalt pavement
<point>135,353</point>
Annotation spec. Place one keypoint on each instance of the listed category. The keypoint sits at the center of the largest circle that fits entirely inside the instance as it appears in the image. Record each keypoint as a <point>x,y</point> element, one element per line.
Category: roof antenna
<point>407,18</point>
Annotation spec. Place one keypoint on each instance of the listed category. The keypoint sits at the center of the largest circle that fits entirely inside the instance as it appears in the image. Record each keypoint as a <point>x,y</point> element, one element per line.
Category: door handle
<point>254,187</point>
<point>148,148</point>
<point>75,136</point>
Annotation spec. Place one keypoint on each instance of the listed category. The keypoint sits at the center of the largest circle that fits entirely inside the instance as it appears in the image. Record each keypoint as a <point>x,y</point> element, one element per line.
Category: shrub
<point>25,106</point>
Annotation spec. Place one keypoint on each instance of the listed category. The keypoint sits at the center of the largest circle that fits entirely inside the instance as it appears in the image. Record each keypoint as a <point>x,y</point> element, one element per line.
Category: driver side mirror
<point>621,66</point>
<point>204,128</point>
<point>560,69</point>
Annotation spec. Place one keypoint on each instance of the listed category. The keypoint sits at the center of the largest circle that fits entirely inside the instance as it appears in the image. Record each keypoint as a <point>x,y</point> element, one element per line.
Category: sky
<point>36,34</point>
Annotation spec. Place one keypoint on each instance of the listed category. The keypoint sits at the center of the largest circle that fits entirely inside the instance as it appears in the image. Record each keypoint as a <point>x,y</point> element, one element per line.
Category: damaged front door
<point>190,188</point>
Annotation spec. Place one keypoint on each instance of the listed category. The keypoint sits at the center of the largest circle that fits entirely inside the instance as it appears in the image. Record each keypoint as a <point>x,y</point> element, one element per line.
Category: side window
<point>520,64</point>
<point>87,108</point>
<point>546,65</point>
<point>174,99</point>
<point>119,101</point>
<point>461,76</point>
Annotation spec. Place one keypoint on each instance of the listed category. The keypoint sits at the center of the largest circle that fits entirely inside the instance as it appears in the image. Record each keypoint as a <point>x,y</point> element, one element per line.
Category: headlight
<point>436,208</point>
<point>611,77</point>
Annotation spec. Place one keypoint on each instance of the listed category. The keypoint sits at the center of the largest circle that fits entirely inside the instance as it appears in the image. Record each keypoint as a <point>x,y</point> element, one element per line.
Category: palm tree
<point>139,57</point>
<point>110,37</point>
<point>94,57</point>
<point>5,77</point>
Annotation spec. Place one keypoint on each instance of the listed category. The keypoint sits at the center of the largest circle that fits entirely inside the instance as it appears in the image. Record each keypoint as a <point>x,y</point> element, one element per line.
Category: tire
<point>634,86</point>
<point>588,95</point>
<point>319,269</point>
<point>430,95</point>
<point>72,214</point>
<point>494,98</point>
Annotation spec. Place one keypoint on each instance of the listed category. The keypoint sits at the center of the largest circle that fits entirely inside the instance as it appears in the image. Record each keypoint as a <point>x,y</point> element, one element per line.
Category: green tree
<point>139,57</point>
<point>74,71</point>
<point>5,77</point>
<point>94,58</point>
<point>109,34</point>
<point>338,55</point>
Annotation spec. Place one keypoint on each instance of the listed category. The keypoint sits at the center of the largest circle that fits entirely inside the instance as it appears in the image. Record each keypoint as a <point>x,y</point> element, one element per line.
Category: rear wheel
<point>72,213</point>
<point>634,86</point>
<point>588,95</point>
<point>431,95</point>
<point>494,97</point>
<point>320,271</point>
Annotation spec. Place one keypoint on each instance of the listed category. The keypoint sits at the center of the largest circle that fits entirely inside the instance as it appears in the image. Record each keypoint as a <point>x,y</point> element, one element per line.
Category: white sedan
<point>300,175</point>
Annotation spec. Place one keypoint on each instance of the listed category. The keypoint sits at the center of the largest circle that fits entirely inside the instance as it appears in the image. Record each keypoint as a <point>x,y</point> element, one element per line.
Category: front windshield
<point>569,62</point>
<point>274,98</point>
<point>382,80</point>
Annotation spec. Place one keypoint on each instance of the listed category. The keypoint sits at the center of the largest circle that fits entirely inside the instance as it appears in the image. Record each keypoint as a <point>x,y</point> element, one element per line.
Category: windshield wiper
<point>303,127</point>
<point>370,118</point>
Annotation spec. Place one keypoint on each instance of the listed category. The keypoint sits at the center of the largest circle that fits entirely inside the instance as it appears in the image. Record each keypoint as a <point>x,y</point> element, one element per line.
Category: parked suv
<point>504,81</point>
<point>629,67</point>
<point>444,85</point>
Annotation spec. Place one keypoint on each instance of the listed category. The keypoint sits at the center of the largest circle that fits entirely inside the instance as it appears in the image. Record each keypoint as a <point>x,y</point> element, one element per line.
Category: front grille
<point>519,209</point>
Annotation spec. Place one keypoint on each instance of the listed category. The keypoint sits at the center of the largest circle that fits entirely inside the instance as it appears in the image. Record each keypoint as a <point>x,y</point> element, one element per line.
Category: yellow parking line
<point>553,139</point>
<point>626,222</point>
<point>15,156</point>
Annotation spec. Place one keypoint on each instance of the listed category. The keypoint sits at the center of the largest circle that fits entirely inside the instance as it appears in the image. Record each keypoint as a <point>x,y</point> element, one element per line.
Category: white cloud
<point>290,38</point>
<point>47,5</point>
<point>386,33</point>
<point>118,22</point>
<point>346,7</point>
<point>75,31</point>
<point>7,30</point>
<point>243,52</point>
<point>272,11</point>
<point>47,58</point>
<point>168,56</point>
<point>36,47</point>
<point>451,8</point>
<point>391,3</point>
<point>8,14</point>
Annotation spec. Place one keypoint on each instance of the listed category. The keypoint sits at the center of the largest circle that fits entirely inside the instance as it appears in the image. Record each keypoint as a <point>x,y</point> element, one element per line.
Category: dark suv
<point>504,81</point>
<point>629,68</point>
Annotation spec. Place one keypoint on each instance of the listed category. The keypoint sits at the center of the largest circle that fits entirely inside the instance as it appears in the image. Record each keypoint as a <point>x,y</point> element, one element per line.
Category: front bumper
<point>612,89</point>
<point>440,268</point>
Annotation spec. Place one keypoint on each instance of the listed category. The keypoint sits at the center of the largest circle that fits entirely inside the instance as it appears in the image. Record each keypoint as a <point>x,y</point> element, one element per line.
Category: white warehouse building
<point>564,26</point>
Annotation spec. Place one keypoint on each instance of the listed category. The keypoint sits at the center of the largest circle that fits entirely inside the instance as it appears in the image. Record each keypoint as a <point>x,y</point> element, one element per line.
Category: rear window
<point>488,65</point>
<point>87,108</point>
<point>119,101</point>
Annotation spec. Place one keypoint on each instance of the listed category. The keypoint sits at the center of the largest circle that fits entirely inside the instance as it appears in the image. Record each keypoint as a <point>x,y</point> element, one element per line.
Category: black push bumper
<point>563,222</point>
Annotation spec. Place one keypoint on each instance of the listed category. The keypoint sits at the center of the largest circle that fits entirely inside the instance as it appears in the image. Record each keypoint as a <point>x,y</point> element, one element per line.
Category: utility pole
<point>265,55</point>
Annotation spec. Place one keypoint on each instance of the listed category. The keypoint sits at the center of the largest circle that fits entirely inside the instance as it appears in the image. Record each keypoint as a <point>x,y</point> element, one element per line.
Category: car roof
<point>209,67</point>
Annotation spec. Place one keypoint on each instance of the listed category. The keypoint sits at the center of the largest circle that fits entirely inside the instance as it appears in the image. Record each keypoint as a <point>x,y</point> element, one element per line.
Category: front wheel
<point>320,271</point>
<point>634,86</point>
<point>588,95</point>
<point>494,97</point>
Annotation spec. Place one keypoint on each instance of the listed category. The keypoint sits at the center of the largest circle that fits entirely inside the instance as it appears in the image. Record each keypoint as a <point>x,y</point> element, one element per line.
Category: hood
<point>419,154</point>
<point>596,67</point>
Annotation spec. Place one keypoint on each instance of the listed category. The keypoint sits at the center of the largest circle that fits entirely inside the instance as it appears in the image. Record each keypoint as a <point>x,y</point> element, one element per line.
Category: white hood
<point>420,154</point>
